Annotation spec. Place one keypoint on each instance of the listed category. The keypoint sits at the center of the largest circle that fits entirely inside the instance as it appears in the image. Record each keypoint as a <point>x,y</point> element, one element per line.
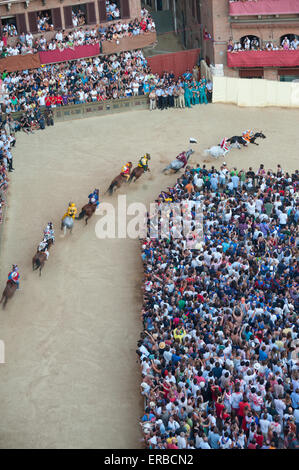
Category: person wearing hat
<point>71,211</point>
<point>14,275</point>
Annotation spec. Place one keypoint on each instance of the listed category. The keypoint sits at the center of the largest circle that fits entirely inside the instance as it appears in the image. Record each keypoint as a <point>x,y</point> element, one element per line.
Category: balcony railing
<point>264,7</point>
<point>263,59</point>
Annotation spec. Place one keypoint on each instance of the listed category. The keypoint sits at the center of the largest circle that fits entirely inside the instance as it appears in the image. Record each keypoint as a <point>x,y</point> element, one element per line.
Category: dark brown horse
<point>136,173</point>
<point>118,181</point>
<point>38,261</point>
<point>8,292</point>
<point>88,210</point>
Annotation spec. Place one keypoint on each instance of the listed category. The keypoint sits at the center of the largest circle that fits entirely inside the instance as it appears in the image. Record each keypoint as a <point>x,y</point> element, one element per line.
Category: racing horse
<point>216,151</point>
<point>67,223</point>
<point>176,165</point>
<point>38,261</point>
<point>118,181</point>
<point>239,139</point>
<point>137,172</point>
<point>88,210</point>
<point>8,292</point>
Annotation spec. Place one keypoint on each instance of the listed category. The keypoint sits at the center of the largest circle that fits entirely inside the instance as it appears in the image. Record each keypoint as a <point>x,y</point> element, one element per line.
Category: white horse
<point>216,152</point>
<point>176,165</point>
<point>67,223</point>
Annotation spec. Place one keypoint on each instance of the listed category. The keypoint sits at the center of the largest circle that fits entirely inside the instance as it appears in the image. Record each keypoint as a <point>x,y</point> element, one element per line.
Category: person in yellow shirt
<point>143,162</point>
<point>71,211</point>
<point>179,333</point>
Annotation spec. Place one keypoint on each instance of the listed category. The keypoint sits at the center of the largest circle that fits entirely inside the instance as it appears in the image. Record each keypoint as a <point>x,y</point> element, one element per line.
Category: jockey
<point>225,145</point>
<point>94,197</point>
<point>143,162</point>
<point>71,211</point>
<point>246,135</point>
<point>125,171</point>
<point>14,275</point>
<point>43,246</point>
<point>182,158</point>
<point>49,232</point>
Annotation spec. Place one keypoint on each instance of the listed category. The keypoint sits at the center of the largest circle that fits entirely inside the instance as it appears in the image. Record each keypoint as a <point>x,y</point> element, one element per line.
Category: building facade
<point>24,14</point>
<point>263,20</point>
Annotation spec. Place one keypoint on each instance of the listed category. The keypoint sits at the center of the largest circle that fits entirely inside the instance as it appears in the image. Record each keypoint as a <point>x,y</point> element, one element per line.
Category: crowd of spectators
<point>27,44</point>
<point>187,91</point>
<point>255,45</point>
<point>219,350</point>
<point>115,76</point>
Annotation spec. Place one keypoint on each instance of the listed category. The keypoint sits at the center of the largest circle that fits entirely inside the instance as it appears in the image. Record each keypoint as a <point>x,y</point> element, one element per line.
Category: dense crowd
<point>80,36</point>
<point>219,350</point>
<point>105,77</point>
<point>254,45</point>
<point>87,80</point>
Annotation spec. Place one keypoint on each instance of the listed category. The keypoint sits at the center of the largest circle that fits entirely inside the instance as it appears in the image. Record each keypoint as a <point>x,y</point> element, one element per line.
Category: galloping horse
<point>239,139</point>
<point>67,223</point>
<point>8,292</point>
<point>87,210</point>
<point>137,172</point>
<point>118,181</point>
<point>176,165</point>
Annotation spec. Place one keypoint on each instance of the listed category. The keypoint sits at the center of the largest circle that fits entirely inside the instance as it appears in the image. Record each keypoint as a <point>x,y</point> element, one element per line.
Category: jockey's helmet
<point>73,205</point>
<point>14,267</point>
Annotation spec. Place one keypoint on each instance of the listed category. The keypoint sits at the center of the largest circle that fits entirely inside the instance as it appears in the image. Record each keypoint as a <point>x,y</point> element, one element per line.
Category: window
<point>79,16</point>
<point>250,42</point>
<point>9,25</point>
<point>113,10</point>
<point>44,21</point>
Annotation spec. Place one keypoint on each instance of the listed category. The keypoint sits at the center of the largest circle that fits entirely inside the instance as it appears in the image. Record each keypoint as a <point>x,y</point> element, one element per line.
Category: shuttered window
<point>124,9</point>
<point>68,21</point>
<point>21,23</point>
<point>56,18</point>
<point>91,13</point>
<point>102,11</point>
<point>32,15</point>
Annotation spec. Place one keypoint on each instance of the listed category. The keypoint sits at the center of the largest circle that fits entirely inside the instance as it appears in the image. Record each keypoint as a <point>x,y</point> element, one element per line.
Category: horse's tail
<point>111,187</point>
<point>81,215</point>
<point>36,263</point>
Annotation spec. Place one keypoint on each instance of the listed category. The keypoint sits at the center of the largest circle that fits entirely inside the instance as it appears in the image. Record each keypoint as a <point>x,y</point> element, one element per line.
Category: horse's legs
<point>86,220</point>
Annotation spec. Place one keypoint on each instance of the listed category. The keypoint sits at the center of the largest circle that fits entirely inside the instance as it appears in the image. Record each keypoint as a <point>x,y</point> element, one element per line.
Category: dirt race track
<point>70,379</point>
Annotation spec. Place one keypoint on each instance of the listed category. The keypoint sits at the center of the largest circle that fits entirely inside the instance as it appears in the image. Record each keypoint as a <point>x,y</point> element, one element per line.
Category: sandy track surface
<point>70,379</point>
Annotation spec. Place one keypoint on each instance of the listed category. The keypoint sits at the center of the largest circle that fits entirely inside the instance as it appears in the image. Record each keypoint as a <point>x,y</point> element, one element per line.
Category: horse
<point>88,210</point>
<point>8,292</point>
<point>118,181</point>
<point>216,151</point>
<point>176,165</point>
<point>67,223</point>
<point>136,173</point>
<point>239,139</point>
<point>38,261</point>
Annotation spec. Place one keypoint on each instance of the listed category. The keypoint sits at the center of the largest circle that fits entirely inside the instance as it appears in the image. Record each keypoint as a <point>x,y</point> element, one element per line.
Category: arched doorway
<point>289,41</point>
<point>250,42</point>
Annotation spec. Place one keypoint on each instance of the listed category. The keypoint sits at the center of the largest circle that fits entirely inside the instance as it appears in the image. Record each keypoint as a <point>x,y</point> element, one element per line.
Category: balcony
<point>264,7</point>
<point>263,59</point>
